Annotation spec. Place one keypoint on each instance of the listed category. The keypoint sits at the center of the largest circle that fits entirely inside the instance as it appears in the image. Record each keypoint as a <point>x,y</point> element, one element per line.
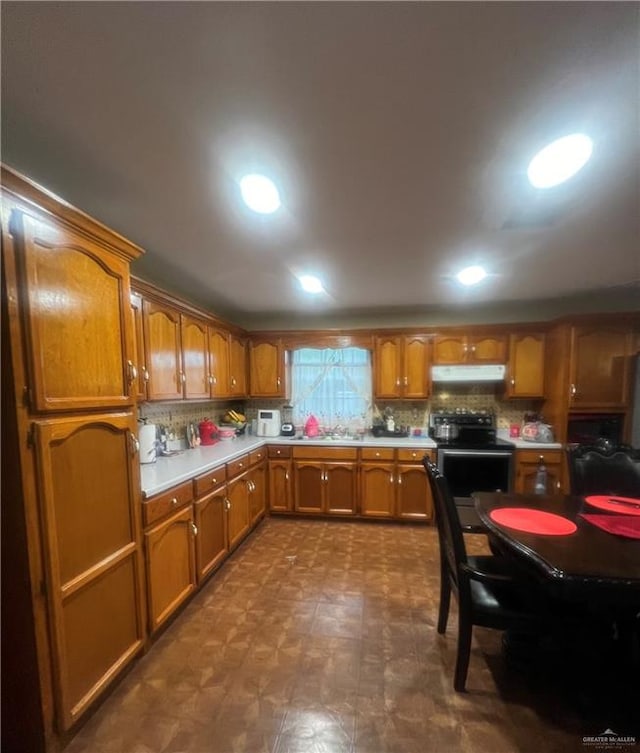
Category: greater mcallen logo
<point>609,739</point>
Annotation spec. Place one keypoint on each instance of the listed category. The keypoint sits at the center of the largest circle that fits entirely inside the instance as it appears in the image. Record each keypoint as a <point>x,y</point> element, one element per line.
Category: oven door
<point>469,471</point>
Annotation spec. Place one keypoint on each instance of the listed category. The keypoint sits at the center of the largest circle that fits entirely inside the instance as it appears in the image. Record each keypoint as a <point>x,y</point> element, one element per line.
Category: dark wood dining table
<point>586,564</point>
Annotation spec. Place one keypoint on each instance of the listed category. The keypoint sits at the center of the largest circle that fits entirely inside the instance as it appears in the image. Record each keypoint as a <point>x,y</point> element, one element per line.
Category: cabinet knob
<point>240,465</point>
<point>145,374</point>
<point>574,390</point>
<point>391,478</point>
<point>377,454</point>
<point>194,528</point>
<point>214,481</point>
<point>173,501</point>
<point>227,503</point>
<point>134,444</point>
<point>278,381</point>
<point>513,382</point>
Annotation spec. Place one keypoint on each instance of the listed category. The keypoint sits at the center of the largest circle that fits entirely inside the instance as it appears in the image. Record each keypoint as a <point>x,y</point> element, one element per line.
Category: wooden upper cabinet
<point>461,349</point>
<point>401,367</point>
<point>195,357</point>
<point>416,362</point>
<point>78,326</point>
<point>162,351</point>
<point>139,361</point>
<point>525,377</point>
<point>88,477</point>
<point>237,366</point>
<point>600,366</point>
<point>219,363</point>
<point>267,376</point>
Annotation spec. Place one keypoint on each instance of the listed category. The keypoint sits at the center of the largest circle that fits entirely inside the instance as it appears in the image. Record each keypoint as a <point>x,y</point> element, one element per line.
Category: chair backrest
<point>452,547</point>
<point>604,469</point>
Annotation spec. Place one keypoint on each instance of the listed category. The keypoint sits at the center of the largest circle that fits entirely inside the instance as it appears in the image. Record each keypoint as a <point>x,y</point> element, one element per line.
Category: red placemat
<point>602,503</point>
<point>620,525</point>
<point>533,521</point>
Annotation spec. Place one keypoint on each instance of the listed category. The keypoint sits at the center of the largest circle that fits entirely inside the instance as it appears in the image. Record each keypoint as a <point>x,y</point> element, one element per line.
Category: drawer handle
<point>377,454</point>
<point>214,481</point>
<point>240,465</point>
<point>173,500</point>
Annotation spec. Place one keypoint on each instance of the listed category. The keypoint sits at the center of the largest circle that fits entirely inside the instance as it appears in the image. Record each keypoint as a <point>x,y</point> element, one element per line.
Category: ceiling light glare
<point>560,160</point>
<point>471,275</point>
<point>311,284</point>
<point>260,194</point>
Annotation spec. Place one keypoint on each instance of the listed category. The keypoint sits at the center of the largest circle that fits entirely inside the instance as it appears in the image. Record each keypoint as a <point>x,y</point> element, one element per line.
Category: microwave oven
<point>588,428</point>
<point>268,423</point>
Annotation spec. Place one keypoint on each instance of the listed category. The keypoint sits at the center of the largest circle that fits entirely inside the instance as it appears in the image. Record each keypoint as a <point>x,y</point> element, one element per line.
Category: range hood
<point>482,372</point>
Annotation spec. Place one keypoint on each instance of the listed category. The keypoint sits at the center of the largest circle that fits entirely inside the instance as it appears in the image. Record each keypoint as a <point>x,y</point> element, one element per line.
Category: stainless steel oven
<point>471,457</point>
<point>478,469</point>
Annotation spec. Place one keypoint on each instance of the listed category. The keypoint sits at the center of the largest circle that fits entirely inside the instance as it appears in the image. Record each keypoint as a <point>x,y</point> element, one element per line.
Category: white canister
<point>147,439</point>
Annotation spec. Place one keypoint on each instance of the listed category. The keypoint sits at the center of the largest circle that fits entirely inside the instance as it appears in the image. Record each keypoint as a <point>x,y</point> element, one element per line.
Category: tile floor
<point>319,637</point>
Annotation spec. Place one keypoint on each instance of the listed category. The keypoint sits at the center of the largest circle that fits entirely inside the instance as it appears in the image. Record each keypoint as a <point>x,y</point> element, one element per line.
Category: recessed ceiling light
<point>311,284</point>
<point>260,194</point>
<point>471,275</point>
<point>560,160</point>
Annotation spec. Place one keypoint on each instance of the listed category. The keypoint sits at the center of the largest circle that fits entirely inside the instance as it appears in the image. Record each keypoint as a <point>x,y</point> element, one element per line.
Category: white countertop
<point>168,471</point>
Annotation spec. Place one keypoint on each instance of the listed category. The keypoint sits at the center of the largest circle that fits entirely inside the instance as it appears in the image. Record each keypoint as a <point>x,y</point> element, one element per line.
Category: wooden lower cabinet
<point>377,482</point>
<point>257,492</point>
<point>393,484</point>
<point>527,462</point>
<point>87,473</point>
<point>325,486</point>
<point>237,510</point>
<point>280,479</point>
<point>212,544</point>
<point>171,565</point>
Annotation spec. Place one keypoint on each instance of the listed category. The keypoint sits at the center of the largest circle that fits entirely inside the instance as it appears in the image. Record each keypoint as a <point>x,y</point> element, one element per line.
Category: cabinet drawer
<point>279,451</point>
<point>157,507</point>
<point>238,466</point>
<point>325,453</point>
<point>256,456</point>
<point>532,456</point>
<point>413,456</point>
<point>209,480</point>
<point>377,453</point>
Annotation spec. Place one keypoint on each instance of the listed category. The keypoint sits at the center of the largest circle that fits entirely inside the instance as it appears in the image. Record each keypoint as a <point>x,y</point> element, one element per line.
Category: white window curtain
<point>334,385</point>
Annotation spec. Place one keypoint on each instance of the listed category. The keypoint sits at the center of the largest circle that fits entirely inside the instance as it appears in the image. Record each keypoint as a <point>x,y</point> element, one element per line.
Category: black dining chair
<point>604,468</point>
<point>489,592</point>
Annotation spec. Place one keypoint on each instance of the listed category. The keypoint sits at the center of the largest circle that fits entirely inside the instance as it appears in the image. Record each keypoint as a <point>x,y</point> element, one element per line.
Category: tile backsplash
<point>176,416</point>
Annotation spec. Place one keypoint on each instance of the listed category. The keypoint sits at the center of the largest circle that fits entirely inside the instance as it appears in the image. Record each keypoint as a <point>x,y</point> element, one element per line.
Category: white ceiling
<point>399,135</point>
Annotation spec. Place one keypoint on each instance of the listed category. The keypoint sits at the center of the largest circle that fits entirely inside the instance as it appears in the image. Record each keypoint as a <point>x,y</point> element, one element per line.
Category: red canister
<point>208,432</point>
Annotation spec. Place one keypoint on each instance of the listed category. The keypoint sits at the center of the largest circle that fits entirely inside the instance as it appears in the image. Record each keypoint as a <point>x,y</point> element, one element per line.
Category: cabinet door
<point>416,367</point>
<point>413,493</point>
<point>487,349</point>
<point>449,349</point>
<point>340,488</point>
<point>88,480</point>
<point>219,363</point>
<point>257,492</point>
<point>308,486</point>
<point>142,374</point>
<point>211,539</point>
<point>377,490</point>
<point>237,510</point>
<point>600,367</point>
<point>79,329</point>
<point>195,357</point>
<point>526,365</point>
<point>237,367</point>
<point>387,367</point>
<point>266,369</point>
<point>280,485</point>
<point>527,463</point>
<point>171,567</point>
<point>162,351</point>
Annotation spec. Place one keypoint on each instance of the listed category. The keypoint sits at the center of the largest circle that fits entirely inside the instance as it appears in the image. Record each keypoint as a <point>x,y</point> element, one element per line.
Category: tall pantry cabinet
<point>71,536</point>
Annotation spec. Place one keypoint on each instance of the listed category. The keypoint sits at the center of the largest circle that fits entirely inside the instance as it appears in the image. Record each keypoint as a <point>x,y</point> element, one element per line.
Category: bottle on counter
<point>540,484</point>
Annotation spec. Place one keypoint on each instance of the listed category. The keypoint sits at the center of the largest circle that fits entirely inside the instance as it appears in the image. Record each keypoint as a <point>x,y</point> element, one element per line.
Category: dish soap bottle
<point>540,484</point>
